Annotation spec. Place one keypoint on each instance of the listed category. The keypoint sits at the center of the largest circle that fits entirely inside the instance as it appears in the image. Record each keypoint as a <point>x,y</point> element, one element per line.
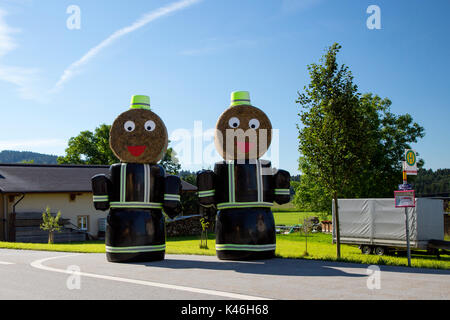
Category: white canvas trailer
<point>377,226</point>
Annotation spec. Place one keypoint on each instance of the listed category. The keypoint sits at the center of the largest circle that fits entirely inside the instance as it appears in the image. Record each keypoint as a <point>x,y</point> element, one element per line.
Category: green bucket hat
<point>240,98</point>
<point>140,102</point>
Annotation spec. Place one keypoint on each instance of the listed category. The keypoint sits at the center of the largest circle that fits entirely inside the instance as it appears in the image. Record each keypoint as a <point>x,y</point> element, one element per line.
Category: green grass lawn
<point>288,215</point>
<point>284,207</point>
<point>83,247</point>
<point>320,247</point>
<point>292,218</point>
<point>288,246</point>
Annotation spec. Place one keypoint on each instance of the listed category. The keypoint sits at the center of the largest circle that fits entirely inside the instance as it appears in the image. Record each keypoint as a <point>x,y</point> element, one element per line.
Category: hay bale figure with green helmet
<point>243,187</point>
<point>137,190</point>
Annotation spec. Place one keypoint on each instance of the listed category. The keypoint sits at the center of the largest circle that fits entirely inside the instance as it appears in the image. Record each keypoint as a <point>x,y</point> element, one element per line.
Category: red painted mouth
<point>245,146</point>
<point>136,150</point>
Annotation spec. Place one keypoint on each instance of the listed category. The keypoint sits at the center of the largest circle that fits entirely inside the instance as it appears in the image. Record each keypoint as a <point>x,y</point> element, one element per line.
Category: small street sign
<point>410,163</point>
<point>405,199</point>
<point>405,186</point>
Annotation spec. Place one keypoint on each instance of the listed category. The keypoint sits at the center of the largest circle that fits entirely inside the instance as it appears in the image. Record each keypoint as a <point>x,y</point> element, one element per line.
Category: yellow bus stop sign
<point>410,163</point>
<point>410,158</point>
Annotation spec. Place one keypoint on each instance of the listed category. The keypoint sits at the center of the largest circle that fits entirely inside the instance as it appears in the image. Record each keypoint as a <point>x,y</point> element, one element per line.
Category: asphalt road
<point>52,275</point>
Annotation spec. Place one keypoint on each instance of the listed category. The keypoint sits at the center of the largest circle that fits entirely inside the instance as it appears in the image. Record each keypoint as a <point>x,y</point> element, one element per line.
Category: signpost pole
<point>405,197</point>
<point>408,248</point>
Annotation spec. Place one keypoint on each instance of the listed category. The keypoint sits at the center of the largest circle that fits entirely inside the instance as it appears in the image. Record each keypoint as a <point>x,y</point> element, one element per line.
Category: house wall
<point>2,216</point>
<point>81,206</point>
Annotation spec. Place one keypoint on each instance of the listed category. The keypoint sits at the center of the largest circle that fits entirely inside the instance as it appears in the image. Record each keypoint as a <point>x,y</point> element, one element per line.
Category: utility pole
<point>408,247</point>
<point>405,197</point>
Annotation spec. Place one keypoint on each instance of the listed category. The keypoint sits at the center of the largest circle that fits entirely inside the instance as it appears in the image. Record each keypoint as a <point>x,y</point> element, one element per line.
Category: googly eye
<point>150,125</point>
<point>129,126</point>
<point>253,124</point>
<point>234,122</point>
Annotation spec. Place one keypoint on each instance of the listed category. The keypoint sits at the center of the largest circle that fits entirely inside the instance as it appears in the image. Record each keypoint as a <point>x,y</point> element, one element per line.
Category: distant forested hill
<point>432,182</point>
<point>25,156</point>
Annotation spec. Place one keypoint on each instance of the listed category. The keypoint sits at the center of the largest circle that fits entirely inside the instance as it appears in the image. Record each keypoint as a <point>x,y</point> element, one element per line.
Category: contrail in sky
<point>146,19</point>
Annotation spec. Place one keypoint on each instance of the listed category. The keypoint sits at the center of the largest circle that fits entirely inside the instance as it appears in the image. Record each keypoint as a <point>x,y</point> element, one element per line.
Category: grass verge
<point>288,246</point>
<point>291,218</point>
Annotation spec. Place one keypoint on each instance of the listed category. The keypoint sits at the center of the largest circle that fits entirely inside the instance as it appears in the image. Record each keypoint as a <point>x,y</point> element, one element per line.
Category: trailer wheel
<point>366,249</point>
<point>380,251</point>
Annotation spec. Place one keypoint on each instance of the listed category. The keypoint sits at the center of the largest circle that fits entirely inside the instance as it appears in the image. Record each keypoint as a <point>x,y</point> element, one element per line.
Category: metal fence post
<point>407,237</point>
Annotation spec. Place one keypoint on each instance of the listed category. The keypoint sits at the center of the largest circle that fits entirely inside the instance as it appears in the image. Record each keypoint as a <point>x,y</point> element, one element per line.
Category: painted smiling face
<point>138,136</point>
<point>243,131</point>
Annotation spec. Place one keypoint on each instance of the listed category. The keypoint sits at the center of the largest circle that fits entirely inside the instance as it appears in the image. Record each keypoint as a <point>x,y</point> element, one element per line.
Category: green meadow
<point>291,246</point>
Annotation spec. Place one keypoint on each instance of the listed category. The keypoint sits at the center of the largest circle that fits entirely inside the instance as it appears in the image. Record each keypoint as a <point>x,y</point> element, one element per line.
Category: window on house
<point>83,222</point>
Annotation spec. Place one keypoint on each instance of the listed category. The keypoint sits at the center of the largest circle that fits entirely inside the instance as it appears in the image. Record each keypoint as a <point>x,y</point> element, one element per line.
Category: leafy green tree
<point>429,182</point>
<point>309,195</point>
<point>188,176</point>
<point>294,185</point>
<point>307,227</point>
<point>333,139</point>
<point>390,135</point>
<point>93,148</point>
<point>204,236</point>
<point>90,148</point>
<point>387,136</point>
<point>51,224</point>
<point>170,162</point>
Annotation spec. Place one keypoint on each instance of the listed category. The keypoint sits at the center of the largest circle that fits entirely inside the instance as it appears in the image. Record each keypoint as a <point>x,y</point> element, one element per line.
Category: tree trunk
<point>336,226</point>
<point>306,243</point>
<point>50,238</point>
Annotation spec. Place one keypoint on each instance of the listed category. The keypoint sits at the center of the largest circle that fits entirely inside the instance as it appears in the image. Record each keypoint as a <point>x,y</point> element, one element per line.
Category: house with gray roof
<point>27,189</point>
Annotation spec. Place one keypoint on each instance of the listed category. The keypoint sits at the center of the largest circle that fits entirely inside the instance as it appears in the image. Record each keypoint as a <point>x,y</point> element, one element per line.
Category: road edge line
<point>38,264</point>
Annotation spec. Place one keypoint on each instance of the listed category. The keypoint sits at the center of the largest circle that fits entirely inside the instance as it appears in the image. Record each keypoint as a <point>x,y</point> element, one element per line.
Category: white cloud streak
<point>6,42</point>
<point>31,144</point>
<point>75,67</point>
<point>18,76</point>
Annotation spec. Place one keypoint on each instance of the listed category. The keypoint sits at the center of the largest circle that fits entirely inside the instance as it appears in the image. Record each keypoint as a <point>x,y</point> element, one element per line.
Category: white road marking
<point>39,265</point>
<point>6,263</point>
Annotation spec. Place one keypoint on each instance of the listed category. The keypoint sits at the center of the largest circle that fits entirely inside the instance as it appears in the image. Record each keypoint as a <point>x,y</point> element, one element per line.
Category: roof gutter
<point>17,202</point>
<point>12,221</point>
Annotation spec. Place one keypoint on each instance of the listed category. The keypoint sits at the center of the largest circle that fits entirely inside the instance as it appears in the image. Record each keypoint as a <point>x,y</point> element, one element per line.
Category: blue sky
<point>56,82</point>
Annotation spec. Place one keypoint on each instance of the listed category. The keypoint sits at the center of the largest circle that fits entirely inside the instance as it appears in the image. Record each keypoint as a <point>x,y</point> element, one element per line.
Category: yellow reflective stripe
<point>123,182</point>
<point>229,205</point>
<point>143,205</point>
<point>207,193</point>
<point>282,191</point>
<point>173,197</point>
<point>245,247</point>
<point>259,181</point>
<point>100,198</point>
<point>136,249</point>
<point>231,187</point>
<point>146,183</point>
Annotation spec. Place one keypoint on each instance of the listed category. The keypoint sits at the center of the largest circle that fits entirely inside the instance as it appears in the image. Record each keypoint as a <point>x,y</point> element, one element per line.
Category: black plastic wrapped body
<point>245,234</point>
<point>244,193</point>
<point>134,231</point>
<point>136,195</point>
